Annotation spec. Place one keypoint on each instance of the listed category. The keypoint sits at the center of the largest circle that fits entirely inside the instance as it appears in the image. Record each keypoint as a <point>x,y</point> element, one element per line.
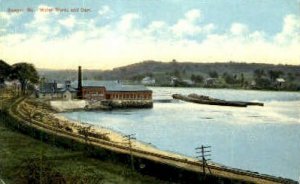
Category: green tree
<point>149,74</point>
<point>274,74</point>
<point>263,83</point>
<point>137,77</point>
<point>242,80</point>
<point>197,78</point>
<point>229,79</point>
<point>4,70</point>
<point>176,73</point>
<point>174,64</point>
<point>291,77</point>
<point>259,73</point>
<point>25,73</point>
<point>213,74</point>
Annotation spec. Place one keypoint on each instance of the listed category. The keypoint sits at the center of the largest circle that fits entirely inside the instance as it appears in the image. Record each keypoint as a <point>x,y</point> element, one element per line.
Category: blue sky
<point>121,32</point>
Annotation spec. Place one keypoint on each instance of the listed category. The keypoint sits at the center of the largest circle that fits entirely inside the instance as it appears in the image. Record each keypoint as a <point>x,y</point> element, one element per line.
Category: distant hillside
<point>194,68</point>
<point>166,69</point>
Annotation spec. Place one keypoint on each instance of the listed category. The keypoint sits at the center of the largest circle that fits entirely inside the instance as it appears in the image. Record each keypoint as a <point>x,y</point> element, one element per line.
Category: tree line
<point>24,72</point>
<point>271,79</point>
<point>259,79</point>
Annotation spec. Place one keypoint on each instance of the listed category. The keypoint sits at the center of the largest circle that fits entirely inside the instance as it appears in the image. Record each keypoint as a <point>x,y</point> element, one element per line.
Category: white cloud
<point>291,24</point>
<point>239,29</point>
<point>156,25</point>
<point>123,42</point>
<point>193,15</point>
<point>42,16</point>
<point>68,22</point>
<point>8,18</point>
<point>188,26</point>
<point>209,28</point>
<point>44,22</point>
<point>290,30</point>
<point>257,36</point>
<point>4,15</point>
<point>127,21</point>
<point>104,10</point>
<point>12,39</point>
<point>157,29</point>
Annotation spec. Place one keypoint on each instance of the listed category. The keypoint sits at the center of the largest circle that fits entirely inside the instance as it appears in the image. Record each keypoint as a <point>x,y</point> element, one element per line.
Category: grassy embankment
<point>27,160</point>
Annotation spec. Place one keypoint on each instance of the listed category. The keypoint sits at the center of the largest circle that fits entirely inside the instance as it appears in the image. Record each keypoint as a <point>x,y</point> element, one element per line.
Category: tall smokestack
<point>79,94</point>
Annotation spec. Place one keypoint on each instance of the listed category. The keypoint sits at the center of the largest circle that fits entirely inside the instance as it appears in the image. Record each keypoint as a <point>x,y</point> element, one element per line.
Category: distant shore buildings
<point>93,91</point>
<point>148,81</point>
<point>279,82</point>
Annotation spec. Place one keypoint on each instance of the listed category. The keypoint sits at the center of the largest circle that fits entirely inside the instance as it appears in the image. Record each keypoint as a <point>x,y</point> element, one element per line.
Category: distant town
<point>176,74</point>
<point>184,74</point>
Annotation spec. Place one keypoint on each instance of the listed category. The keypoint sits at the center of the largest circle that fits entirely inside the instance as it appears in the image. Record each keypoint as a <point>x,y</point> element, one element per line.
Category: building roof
<point>147,78</point>
<point>48,87</point>
<point>51,87</point>
<point>128,88</point>
<point>93,83</point>
<point>62,90</point>
<point>110,85</point>
<point>280,80</point>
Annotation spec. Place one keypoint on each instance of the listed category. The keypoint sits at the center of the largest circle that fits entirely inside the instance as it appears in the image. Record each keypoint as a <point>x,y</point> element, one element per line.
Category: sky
<point>62,34</point>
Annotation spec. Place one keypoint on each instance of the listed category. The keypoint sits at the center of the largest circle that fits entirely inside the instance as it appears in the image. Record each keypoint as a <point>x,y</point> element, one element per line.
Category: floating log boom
<point>201,99</point>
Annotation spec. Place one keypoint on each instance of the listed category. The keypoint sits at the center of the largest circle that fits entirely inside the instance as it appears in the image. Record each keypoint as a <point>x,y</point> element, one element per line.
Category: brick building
<point>112,90</point>
<point>95,91</point>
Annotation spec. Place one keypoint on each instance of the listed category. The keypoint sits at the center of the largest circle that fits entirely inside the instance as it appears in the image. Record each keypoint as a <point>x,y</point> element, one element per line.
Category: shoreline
<point>118,138</point>
<point>145,154</point>
<point>216,88</point>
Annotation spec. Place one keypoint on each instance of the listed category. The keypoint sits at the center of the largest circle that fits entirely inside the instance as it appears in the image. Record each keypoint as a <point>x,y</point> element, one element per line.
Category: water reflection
<point>264,139</point>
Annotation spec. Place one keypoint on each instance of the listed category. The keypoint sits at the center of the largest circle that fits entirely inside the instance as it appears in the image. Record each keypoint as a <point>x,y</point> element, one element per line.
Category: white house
<point>148,81</point>
<point>173,80</point>
<point>188,81</point>
<point>210,81</point>
<point>279,82</point>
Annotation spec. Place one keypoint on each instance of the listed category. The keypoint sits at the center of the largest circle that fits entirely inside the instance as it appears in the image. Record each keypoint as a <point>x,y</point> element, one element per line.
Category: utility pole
<point>128,139</point>
<point>204,152</point>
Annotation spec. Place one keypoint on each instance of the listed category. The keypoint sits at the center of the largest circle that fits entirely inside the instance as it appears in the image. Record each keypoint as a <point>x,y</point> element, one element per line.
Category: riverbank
<point>19,152</point>
<point>76,104</point>
<point>32,122</point>
<point>118,138</point>
<point>30,156</point>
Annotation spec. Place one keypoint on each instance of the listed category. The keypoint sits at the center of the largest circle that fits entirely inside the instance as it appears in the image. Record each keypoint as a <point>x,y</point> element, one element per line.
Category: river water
<point>263,139</point>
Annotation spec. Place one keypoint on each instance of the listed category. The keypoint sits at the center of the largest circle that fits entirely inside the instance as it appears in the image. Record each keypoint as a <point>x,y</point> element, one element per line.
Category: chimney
<point>79,93</point>
<point>55,85</point>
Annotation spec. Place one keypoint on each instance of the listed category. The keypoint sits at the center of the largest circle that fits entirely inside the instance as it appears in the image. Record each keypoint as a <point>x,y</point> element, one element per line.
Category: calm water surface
<point>263,139</point>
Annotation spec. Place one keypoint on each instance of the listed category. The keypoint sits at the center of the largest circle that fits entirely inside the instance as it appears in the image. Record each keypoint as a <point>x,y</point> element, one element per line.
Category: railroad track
<point>189,164</point>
